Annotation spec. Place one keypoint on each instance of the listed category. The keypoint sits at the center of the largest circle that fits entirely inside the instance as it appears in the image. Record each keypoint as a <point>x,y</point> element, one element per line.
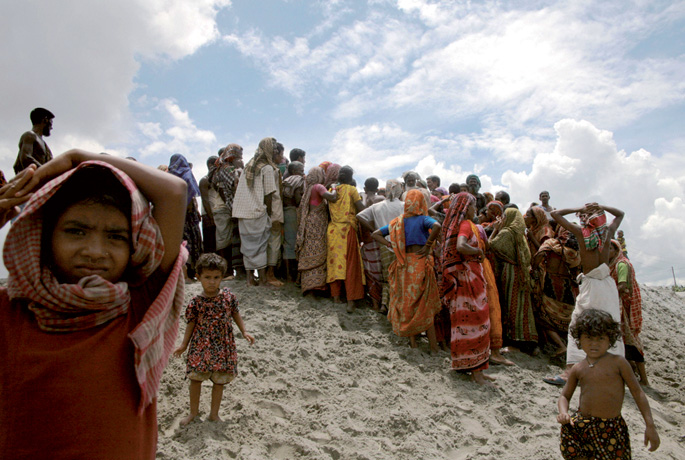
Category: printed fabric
<point>631,302</point>
<point>212,346</point>
<point>594,437</point>
<point>343,218</point>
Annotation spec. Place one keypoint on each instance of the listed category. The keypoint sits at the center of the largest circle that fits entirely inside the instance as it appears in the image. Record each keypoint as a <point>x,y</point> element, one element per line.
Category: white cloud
<point>82,65</point>
<point>586,165</point>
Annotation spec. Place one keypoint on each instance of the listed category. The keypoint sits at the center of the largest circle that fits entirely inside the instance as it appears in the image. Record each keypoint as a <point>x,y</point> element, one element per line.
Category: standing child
<point>209,333</point>
<point>597,430</point>
<point>90,313</point>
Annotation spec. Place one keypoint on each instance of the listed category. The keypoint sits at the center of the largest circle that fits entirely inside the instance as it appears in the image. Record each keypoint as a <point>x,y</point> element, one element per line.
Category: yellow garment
<point>343,216</point>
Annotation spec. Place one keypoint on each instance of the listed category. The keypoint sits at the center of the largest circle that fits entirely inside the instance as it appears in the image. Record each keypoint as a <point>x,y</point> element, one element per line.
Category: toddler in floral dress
<point>209,336</point>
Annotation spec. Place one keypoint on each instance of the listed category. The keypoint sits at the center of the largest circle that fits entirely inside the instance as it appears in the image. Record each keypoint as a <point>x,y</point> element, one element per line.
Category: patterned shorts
<point>594,437</point>
<point>220,378</point>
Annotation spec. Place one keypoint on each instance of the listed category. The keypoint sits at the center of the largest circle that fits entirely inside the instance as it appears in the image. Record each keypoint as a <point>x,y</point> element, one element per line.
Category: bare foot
<point>497,358</point>
<point>214,418</point>
<point>229,278</point>
<point>350,307</point>
<point>337,300</point>
<point>482,379</point>
<point>188,419</point>
<point>645,382</point>
<point>412,342</point>
<point>274,282</point>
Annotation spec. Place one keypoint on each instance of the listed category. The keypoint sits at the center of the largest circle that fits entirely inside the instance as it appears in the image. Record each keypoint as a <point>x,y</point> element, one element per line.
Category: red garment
<point>631,302</point>
<point>354,280</point>
<point>71,395</point>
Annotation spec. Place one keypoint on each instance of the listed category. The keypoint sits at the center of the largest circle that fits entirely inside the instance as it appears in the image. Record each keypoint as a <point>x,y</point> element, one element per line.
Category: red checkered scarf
<point>631,301</point>
<point>594,230</point>
<point>94,301</point>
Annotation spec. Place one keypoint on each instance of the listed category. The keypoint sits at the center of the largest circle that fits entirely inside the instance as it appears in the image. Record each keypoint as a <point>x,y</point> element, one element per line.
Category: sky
<point>584,99</point>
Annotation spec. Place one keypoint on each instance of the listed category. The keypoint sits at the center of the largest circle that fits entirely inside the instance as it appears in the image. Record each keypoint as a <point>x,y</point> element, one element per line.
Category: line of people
<point>466,268</point>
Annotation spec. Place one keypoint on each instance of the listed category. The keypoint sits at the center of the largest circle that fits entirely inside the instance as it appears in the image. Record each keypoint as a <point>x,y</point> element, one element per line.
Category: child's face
<point>211,281</point>
<point>91,239</point>
<point>594,347</point>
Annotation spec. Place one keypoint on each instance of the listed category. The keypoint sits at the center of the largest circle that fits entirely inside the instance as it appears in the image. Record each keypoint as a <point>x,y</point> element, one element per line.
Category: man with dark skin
<point>432,182</point>
<point>32,146</point>
<point>593,262</point>
<point>544,200</point>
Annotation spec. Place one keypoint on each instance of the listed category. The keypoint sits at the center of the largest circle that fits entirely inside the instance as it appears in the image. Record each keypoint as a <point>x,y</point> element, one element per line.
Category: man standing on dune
<point>32,146</point>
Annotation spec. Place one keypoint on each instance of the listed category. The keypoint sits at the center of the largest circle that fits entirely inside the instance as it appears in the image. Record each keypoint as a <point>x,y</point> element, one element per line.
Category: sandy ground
<point>322,384</point>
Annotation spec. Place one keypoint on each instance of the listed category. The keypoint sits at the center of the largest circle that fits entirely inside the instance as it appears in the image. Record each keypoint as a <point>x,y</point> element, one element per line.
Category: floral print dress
<point>212,346</point>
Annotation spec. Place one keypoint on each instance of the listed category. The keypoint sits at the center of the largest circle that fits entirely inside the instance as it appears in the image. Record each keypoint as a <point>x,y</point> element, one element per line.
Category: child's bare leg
<point>482,379</point>
<point>432,339</point>
<point>412,341</point>
<point>195,390</point>
<point>217,394</point>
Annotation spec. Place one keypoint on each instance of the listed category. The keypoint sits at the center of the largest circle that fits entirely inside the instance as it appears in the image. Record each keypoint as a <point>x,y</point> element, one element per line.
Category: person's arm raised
<point>618,218</point>
<point>558,216</point>
<point>166,192</point>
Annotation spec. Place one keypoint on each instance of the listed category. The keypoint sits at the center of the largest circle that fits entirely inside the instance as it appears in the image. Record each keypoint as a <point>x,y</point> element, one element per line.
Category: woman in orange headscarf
<point>414,298</point>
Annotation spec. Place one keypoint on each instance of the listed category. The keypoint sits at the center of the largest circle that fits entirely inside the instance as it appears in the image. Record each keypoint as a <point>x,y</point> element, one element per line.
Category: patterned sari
<point>512,267</point>
<point>631,302</point>
<point>464,290</point>
<point>310,245</point>
<point>341,231</point>
<point>414,298</point>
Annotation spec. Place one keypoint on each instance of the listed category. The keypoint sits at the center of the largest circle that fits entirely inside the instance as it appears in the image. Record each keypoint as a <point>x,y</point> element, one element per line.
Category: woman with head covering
<point>538,228</point>
<point>379,215</point>
<point>179,167</point>
<point>414,299</point>
<point>208,224</point>
<point>623,273</point>
<point>344,260</point>
<point>512,268</point>
<point>412,181</point>
<point>464,290</point>
<point>555,268</point>
<point>310,246</point>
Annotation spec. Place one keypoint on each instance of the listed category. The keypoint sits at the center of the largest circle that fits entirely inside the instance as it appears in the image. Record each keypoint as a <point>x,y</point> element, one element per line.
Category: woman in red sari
<point>464,290</point>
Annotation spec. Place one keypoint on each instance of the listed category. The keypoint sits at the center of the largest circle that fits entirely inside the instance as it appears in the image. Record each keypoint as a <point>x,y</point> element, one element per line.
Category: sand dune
<point>322,384</point>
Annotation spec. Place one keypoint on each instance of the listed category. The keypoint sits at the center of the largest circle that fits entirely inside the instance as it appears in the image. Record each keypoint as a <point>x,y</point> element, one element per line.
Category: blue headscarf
<point>179,167</point>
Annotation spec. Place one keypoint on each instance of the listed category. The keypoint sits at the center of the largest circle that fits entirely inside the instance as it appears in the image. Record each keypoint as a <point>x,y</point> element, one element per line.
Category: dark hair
<point>544,191</point>
<point>211,261</point>
<point>296,154</point>
<point>211,160</point>
<point>371,184</point>
<point>435,179</point>
<point>345,175</point>
<point>90,184</point>
<point>454,188</point>
<point>39,114</point>
<point>292,166</point>
<point>596,323</point>
<point>504,197</point>
<point>280,147</point>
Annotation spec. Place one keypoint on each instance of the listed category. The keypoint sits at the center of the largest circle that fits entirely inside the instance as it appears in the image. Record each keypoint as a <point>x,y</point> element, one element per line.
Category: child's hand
<point>179,351</point>
<point>652,438</point>
<point>249,338</point>
<point>564,418</point>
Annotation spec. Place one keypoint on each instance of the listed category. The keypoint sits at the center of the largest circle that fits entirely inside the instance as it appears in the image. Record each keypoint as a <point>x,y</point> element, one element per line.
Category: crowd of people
<point>98,255</point>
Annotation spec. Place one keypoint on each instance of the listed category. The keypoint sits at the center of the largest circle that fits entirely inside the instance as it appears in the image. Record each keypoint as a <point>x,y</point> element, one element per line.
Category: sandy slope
<point>322,384</point>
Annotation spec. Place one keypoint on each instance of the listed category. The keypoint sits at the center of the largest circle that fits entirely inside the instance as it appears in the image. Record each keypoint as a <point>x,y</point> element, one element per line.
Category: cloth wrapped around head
<point>264,155</point>
<point>94,301</point>
<point>315,176</point>
<point>331,175</point>
<point>179,167</point>
<point>414,205</point>
<point>393,190</point>
<point>496,208</point>
<point>594,228</point>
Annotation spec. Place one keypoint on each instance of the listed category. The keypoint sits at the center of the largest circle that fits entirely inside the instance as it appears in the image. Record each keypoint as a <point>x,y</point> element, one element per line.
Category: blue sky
<point>582,98</point>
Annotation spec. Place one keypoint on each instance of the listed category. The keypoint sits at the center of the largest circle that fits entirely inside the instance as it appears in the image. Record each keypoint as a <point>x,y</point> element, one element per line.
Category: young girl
<point>90,314</point>
<point>209,332</point>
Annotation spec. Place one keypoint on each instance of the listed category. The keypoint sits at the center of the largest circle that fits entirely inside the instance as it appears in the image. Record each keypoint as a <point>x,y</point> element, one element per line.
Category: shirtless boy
<point>597,430</point>
<point>597,289</point>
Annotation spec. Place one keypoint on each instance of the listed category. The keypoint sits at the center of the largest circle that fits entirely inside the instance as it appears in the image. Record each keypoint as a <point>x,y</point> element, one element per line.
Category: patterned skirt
<point>311,257</point>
